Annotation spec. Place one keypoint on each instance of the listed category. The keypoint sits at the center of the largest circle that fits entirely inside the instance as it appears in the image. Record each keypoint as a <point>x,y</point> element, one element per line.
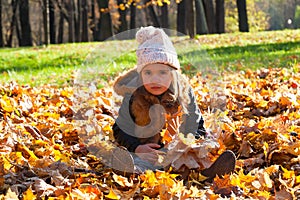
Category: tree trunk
<point>1,33</point>
<point>105,24</point>
<point>220,16</point>
<point>210,15</point>
<point>19,37</point>
<point>132,16</point>
<point>123,22</point>
<point>52,26</point>
<point>201,25</point>
<point>26,38</point>
<point>13,22</point>
<point>181,17</point>
<point>85,26</point>
<point>77,20</point>
<point>190,18</point>
<point>46,21</point>
<point>242,13</point>
<point>153,15</point>
<point>60,36</point>
<point>94,26</point>
<point>289,14</point>
<point>70,7</point>
<point>165,16</point>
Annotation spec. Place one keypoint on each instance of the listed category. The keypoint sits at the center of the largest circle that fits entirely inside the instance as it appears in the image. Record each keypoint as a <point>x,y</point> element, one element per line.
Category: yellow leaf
<point>263,104</point>
<point>122,6</point>
<point>298,179</point>
<point>263,193</point>
<point>28,195</point>
<point>6,104</point>
<point>17,158</point>
<point>112,195</point>
<point>266,147</point>
<point>6,164</point>
<point>32,155</point>
<point>167,2</point>
<point>288,174</point>
<point>59,156</point>
<point>149,179</point>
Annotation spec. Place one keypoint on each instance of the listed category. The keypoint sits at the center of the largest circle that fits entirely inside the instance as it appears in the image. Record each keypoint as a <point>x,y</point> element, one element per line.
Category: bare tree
<point>94,21</point>
<point>77,20</point>
<point>26,38</point>
<point>242,13</point>
<point>165,16</point>
<point>181,17</point>
<point>85,26</point>
<point>13,23</point>
<point>45,7</point>
<point>153,15</point>
<point>289,13</point>
<point>123,22</point>
<point>210,15</point>
<point>132,16</point>
<point>70,9</point>
<point>189,18</point>
<point>220,16</point>
<point>201,25</point>
<point>52,27</point>
<point>62,17</point>
<point>105,24</point>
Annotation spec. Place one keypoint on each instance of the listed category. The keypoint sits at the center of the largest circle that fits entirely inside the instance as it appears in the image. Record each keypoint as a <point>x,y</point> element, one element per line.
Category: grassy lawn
<point>57,64</point>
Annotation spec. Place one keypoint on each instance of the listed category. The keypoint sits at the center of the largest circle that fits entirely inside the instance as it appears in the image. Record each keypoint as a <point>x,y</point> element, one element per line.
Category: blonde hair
<point>180,87</point>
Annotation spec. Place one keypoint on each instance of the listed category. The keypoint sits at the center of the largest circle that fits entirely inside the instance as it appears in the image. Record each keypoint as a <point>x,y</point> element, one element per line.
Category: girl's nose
<point>155,78</point>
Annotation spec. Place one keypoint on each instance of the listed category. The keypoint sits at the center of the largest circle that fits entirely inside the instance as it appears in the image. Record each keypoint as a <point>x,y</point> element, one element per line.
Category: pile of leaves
<point>254,113</point>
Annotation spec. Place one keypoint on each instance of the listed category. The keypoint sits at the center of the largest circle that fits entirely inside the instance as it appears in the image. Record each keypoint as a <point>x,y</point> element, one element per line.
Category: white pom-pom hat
<point>155,47</point>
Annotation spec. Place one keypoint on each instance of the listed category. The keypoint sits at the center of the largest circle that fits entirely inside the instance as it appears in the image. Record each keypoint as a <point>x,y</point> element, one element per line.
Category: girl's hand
<point>149,152</point>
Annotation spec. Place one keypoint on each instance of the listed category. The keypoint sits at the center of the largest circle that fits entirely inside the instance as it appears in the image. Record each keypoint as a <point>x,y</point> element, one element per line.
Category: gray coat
<point>137,103</point>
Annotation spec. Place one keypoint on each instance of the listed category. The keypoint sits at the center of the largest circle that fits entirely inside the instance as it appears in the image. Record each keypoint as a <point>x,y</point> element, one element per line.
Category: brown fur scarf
<point>140,109</point>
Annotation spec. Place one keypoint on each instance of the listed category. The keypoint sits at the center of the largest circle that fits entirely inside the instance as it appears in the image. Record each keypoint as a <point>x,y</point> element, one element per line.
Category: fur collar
<point>126,82</point>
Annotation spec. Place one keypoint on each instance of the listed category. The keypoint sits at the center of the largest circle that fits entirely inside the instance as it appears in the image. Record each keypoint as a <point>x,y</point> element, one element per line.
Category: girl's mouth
<point>155,87</point>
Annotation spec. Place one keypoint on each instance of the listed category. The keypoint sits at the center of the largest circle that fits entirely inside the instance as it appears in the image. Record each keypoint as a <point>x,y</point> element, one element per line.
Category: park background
<point>38,22</point>
<point>247,88</point>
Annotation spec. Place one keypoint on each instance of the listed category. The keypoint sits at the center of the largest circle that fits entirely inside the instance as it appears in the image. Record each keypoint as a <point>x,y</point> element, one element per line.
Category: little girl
<point>152,89</point>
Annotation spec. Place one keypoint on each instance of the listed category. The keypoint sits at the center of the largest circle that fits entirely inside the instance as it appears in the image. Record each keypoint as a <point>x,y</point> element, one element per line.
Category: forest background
<point>38,22</point>
<point>248,94</point>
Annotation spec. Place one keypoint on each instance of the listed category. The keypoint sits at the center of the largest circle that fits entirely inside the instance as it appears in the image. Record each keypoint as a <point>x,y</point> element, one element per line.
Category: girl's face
<point>156,78</point>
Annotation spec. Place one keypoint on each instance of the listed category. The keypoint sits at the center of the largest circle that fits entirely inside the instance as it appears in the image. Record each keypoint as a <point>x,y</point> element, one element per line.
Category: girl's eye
<point>147,72</point>
<point>164,72</point>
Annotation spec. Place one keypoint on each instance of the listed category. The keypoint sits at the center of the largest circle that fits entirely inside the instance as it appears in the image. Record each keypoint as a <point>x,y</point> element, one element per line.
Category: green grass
<point>59,64</point>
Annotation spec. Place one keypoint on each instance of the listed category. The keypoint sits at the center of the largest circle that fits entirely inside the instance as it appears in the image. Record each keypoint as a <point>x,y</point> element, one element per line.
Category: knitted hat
<point>155,47</point>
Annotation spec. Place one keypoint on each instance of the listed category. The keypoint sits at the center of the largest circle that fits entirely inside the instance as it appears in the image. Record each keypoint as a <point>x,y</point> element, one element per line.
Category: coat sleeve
<point>123,129</point>
<point>193,121</point>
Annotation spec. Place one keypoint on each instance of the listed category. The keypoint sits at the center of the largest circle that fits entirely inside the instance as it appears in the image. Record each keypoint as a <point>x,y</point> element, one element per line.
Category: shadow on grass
<point>242,57</point>
<point>223,58</point>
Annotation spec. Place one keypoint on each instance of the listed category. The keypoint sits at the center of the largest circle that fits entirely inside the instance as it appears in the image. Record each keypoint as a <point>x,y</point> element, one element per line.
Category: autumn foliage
<point>256,114</point>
